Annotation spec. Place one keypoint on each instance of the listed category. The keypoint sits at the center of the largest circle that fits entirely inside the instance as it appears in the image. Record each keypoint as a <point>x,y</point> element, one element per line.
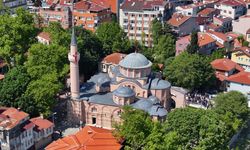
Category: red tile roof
<point>89,138</point>
<point>90,6</point>
<point>244,50</point>
<point>219,35</point>
<point>114,58</point>
<point>242,78</point>
<point>206,11</point>
<point>225,64</point>
<point>41,123</point>
<point>44,35</point>
<point>178,20</point>
<point>231,2</point>
<point>140,5</point>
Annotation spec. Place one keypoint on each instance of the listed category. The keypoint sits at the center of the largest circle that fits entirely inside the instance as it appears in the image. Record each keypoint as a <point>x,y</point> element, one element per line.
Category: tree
<point>90,49</point>
<point>136,127</point>
<point>112,37</point>
<point>13,86</point>
<point>16,36</point>
<point>43,92</point>
<point>219,53</point>
<point>190,71</point>
<point>193,47</point>
<point>47,59</point>
<point>234,103</point>
<point>158,29</point>
<point>164,49</point>
<point>197,129</point>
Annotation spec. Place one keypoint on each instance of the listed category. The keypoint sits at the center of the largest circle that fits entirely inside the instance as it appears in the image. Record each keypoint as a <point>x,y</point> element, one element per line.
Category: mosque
<point>99,101</point>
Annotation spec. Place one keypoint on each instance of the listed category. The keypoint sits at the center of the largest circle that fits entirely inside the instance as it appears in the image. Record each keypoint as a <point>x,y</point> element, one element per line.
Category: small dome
<point>143,104</point>
<point>124,92</point>
<point>158,110</point>
<point>158,84</point>
<point>154,100</point>
<point>135,61</point>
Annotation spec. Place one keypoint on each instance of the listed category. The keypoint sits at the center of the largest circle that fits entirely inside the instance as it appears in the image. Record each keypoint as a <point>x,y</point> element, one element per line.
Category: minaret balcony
<point>74,58</point>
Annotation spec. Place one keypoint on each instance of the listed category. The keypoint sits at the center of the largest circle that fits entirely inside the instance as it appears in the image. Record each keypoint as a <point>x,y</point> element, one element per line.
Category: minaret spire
<point>74,57</point>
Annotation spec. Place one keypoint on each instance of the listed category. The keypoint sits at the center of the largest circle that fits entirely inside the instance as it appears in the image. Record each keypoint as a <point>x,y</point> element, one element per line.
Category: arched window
<point>93,109</point>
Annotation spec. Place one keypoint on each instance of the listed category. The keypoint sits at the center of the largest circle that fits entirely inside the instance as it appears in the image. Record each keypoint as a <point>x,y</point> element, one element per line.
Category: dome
<point>135,61</point>
<point>158,110</point>
<point>143,104</point>
<point>124,92</point>
<point>154,100</point>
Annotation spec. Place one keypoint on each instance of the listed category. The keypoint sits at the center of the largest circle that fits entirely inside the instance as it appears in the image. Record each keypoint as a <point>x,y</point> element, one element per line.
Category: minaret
<point>74,58</point>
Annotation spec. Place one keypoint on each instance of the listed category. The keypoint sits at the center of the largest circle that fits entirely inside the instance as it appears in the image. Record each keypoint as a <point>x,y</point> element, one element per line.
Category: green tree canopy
<point>234,103</point>
<point>112,37</point>
<point>190,71</point>
<point>16,36</point>
<point>13,86</point>
<point>164,49</point>
<point>193,47</point>
<point>47,59</point>
<point>136,127</point>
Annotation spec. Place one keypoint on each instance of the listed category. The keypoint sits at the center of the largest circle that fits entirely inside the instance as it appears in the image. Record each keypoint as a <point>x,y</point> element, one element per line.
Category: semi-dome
<point>154,99</point>
<point>143,104</point>
<point>135,61</point>
<point>158,84</point>
<point>123,91</point>
<point>157,110</point>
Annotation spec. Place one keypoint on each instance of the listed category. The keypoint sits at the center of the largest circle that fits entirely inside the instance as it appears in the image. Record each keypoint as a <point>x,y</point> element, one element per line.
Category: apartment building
<point>193,9</point>
<point>231,8</point>
<point>241,25</point>
<point>136,17</point>
<point>14,4</point>
<point>18,131</point>
<point>90,14</point>
<point>56,11</point>
<point>183,25</point>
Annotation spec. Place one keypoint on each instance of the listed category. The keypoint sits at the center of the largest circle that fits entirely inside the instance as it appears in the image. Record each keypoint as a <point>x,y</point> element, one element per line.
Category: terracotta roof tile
<point>241,77</point>
<point>206,11</point>
<point>41,123</point>
<point>225,64</point>
<point>89,138</point>
<point>44,35</point>
<point>231,2</point>
<point>114,58</point>
<point>178,20</point>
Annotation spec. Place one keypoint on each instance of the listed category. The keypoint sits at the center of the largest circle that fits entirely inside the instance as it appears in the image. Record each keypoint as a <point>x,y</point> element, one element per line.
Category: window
<point>225,11</point>
<point>93,120</point>
<point>89,18</point>
<point>93,109</point>
<point>229,12</point>
<point>145,15</point>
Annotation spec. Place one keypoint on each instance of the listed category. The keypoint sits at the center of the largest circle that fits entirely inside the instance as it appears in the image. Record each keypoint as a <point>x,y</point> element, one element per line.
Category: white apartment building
<point>231,8</point>
<point>136,17</point>
<point>19,132</point>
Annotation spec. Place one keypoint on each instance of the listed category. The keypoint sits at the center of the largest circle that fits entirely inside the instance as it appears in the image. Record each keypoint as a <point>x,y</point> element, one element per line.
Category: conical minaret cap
<point>73,38</point>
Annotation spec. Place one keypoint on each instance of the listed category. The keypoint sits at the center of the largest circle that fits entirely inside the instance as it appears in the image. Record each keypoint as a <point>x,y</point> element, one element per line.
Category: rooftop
<point>113,58</point>
<point>178,20</point>
<point>207,11</point>
<point>140,5</point>
<point>135,61</point>
<point>88,138</point>
<point>241,77</point>
<point>225,64</point>
<point>41,123</point>
<point>44,35</point>
<point>90,6</point>
<point>231,2</point>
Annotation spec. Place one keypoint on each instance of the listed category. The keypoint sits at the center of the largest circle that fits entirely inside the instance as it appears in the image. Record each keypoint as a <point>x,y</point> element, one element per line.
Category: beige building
<point>242,24</point>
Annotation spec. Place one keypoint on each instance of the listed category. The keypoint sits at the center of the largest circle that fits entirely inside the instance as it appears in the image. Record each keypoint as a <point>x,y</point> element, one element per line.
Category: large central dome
<point>135,61</point>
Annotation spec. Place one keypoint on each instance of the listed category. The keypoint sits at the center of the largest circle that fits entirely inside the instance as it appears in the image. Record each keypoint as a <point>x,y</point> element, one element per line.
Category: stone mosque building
<point>99,101</point>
